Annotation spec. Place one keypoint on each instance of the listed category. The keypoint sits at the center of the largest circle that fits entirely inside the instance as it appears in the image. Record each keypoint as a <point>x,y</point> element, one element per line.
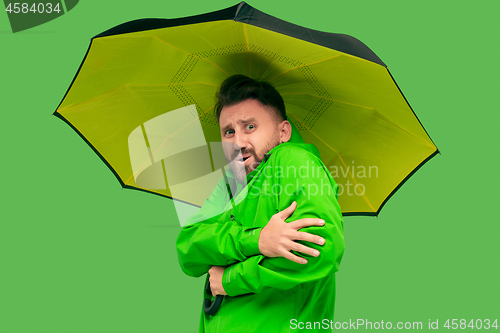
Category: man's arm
<point>208,242</point>
<point>211,239</point>
<point>317,198</point>
<point>211,242</point>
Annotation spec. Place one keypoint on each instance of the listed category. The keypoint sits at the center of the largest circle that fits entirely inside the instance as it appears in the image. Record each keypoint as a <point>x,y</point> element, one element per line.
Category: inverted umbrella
<point>143,100</point>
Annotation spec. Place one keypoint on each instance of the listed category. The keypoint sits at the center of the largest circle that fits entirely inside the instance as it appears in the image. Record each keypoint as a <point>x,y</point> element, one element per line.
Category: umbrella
<point>143,100</point>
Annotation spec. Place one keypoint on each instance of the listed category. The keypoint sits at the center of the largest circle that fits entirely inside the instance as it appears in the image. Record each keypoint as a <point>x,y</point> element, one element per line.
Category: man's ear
<point>285,131</point>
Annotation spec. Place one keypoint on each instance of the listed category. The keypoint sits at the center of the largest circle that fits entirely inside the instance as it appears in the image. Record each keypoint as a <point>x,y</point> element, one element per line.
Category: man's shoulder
<point>295,153</point>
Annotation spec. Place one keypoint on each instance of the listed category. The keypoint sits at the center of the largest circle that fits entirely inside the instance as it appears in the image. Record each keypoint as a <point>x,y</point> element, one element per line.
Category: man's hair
<point>238,88</point>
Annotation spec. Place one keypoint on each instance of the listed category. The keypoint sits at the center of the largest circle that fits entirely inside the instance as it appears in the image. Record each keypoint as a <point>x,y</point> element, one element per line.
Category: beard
<point>241,171</point>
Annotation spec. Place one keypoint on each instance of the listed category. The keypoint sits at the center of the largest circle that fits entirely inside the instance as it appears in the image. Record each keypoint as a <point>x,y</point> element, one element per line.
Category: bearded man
<point>250,235</point>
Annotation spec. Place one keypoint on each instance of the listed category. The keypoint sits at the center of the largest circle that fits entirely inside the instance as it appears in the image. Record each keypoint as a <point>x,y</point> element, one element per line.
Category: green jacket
<point>268,294</point>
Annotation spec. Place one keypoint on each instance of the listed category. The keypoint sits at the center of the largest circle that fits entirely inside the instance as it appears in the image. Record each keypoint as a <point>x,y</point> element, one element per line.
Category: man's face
<point>251,127</point>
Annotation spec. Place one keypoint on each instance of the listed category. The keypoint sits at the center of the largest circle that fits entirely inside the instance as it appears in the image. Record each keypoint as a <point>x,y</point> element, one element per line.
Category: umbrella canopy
<point>144,97</point>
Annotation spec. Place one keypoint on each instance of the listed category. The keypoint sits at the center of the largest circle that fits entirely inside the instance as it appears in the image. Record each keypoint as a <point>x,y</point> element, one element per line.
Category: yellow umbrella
<point>143,99</point>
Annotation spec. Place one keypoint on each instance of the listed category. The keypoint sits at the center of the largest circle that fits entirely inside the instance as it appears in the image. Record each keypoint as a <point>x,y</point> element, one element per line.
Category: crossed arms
<point>255,258</point>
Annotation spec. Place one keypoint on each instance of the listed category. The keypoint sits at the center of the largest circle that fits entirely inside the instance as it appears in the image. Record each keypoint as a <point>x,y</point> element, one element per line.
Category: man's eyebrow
<point>241,121</point>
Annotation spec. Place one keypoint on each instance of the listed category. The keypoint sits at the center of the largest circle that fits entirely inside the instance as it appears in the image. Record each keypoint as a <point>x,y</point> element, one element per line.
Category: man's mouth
<point>244,158</point>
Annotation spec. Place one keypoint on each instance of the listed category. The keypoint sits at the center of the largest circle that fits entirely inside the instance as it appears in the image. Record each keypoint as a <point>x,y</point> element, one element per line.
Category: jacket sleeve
<point>207,241</point>
<point>316,197</point>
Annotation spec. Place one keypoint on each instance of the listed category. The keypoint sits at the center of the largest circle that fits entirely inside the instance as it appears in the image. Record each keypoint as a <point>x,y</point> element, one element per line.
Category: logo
<point>170,153</point>
<point>29,14</point>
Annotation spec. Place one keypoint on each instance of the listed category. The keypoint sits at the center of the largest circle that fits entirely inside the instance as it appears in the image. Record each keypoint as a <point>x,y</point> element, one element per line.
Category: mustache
<point>236,153</point>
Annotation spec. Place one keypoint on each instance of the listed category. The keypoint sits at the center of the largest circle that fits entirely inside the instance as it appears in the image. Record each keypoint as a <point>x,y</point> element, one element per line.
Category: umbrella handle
<point>209,307</point>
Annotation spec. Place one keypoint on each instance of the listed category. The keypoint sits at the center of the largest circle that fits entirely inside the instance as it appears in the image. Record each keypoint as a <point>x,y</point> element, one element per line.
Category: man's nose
<point>239,141</point>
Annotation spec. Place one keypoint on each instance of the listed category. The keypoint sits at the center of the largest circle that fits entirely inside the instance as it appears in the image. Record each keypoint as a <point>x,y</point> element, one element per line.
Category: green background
<point>79,254</point>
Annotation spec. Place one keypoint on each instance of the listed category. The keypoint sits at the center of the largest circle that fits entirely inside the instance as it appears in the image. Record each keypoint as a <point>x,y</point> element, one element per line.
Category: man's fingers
<point>304,249</point>
<point>305,236</point>
<point>293,257</point>
<point>285,213</point>
<point>307,222</point>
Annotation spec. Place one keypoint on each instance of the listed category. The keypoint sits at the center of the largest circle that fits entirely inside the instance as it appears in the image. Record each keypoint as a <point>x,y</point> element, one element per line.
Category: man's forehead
<point>249,110</point>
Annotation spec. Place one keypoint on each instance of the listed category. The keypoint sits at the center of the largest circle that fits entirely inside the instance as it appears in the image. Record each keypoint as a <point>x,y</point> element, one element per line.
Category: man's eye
<point>229,131</point>
<point>250,127</point>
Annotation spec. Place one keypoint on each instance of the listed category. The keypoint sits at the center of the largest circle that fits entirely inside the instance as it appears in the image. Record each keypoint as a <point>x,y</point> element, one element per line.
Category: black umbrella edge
<point>123,185</point>
<point>406,178</point>
<point>157,23</point>
<point>411,109</point>
<point>58,115</point>
<point>410,174</point>
<point>375,214</point>
<point>422,163</point>
<point>247,14</point>
<point>336,41</point>
<point>72,81</point>
<point>161,195</point>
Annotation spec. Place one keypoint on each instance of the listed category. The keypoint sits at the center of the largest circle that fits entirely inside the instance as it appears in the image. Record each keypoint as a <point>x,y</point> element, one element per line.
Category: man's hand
<point>278,237</point>
<point>216,280</point>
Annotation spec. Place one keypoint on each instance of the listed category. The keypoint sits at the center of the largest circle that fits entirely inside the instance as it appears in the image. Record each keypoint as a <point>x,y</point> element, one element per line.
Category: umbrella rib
<point>93,98</point>
<point>211,62</point>
<point>248,49</point>
<point>208,42</point>
<point>364,196</point>
<point>384,118</point>
<point>178,83</point>
<point>305,65</point>
<point>138,85</point>
<point>330,99</point>
<point>249,52</point>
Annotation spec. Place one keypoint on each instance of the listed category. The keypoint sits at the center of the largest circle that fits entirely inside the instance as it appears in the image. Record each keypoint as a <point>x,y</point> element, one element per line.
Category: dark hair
<point>238,88</point>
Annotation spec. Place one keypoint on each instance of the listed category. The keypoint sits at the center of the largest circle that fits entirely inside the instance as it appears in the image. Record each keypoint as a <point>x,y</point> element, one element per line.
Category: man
<point>275,277</point>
